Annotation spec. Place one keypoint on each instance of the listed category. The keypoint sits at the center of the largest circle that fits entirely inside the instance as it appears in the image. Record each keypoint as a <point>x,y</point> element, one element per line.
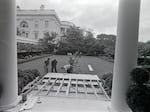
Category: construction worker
<point>68,68</point>
<point>46,64</point>
<point>54,65</point>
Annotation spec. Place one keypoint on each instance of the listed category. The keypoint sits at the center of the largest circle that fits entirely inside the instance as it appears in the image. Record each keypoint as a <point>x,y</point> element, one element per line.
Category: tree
<point>144,49</point>
<point>72,42</point>
<point>48,42</point>
<point>108,41</point>
<point>74,38</point>
<point>91,45</point>
<point>81,40</point>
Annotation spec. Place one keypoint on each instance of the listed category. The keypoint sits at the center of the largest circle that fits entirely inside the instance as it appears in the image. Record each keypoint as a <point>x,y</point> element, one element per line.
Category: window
<point>46,24</point>
<point>27,35</point>
<point>63,30</point>
<point>36,24</point>
<point>24,24</point>
<point>24,34</point>
<point>36,35</point>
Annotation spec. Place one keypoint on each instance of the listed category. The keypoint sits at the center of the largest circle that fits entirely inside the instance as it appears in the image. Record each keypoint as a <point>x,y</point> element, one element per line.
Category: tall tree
<point>74,38</point>
<point>108,41</point>
<point>48,42</point>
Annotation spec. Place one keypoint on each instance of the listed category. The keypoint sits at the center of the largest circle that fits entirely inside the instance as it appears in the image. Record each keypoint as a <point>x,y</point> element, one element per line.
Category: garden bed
<point>20,61</point>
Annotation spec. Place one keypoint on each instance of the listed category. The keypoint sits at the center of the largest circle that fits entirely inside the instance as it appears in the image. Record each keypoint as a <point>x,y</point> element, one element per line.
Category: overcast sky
<point>98,15</point>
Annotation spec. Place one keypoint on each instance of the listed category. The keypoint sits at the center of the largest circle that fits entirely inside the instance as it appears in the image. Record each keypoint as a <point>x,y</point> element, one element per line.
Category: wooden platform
<point>68,92</point>
<point>70,85</point>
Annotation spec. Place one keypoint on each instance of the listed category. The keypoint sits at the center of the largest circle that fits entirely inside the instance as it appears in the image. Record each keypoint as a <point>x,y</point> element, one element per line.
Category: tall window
<point>36,35</point>
<point>46,24</point>
<point>27,34</point>
<point>63,31</point>
<point>36,24</point>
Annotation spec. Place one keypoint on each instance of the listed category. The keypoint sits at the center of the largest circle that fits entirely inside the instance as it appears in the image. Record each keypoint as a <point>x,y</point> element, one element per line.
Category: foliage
<point>48,42</point>
<point>72,42</point>
<point>147,68</point>
<point>25,47</point>
<point>26,76</point>
<point>24,50</point>
<point>138,94</point>
<point>75,39</point>
<point>138,98</point>
<point>108,41</point>
<point>108,82</point>
<point>84,41</point>
<point>63,48</point>
<point>144,48</point>
<point>143,52</point>
<point>140,75</point>
<point>35,72</point>
<point>143,61</point>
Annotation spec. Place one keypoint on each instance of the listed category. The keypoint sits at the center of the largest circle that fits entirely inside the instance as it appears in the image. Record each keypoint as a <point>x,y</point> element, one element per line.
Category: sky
<point>100,16</point>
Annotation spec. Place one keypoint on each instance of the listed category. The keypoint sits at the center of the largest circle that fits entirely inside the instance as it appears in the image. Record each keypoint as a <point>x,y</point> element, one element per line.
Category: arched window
<point>24,24</point>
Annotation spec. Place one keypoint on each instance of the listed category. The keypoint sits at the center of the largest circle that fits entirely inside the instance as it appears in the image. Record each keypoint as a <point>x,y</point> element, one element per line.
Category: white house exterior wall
<point>53,25</point>
<point>41,18</point>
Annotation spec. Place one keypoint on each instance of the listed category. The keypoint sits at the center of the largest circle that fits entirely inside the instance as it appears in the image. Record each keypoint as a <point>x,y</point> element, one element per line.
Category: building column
<point>8,55</point>
<point>126,52</point>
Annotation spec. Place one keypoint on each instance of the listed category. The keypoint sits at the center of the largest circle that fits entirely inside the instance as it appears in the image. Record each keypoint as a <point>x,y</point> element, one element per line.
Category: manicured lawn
<point>98,65</point>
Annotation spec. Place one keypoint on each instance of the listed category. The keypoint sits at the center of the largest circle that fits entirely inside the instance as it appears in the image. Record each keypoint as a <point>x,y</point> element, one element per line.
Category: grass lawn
<point>98,65</point>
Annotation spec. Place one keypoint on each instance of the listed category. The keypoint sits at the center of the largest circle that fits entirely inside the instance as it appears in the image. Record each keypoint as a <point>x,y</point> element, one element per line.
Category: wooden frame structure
<point>70,85</point>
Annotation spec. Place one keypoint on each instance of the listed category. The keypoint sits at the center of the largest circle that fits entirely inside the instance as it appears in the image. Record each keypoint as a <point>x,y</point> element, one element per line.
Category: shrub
<point>105,76</point>
<point>147,68</point>
<point>138,95</point>
<point>25,77</point>
<point>108,82</point>
<point>35,72</point>
<point>140,75</point>
<point>138,98</point>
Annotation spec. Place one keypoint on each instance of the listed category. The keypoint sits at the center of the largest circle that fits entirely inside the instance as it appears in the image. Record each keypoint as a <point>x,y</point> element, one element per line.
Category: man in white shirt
<point>68,68</point>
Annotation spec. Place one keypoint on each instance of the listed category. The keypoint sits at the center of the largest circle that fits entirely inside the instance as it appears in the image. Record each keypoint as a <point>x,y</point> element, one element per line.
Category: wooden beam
<point>103,90</point>
<point>36,85</point>
<point>85,87</point>
<point>51,86</point>
<point>62,82</point>
<point>68,87</point>
<point>42,87</point>
<point>91,84</point>
<point>76,87</point>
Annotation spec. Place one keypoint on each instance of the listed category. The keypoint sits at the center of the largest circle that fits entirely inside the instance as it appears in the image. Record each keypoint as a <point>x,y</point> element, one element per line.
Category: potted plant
<point>138,95</point>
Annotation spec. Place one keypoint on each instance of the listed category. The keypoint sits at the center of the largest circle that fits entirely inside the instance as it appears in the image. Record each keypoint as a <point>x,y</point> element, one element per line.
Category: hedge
<point>25,77</point>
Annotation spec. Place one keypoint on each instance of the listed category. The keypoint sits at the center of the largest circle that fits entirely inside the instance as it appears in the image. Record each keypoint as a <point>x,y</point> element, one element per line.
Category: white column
<point>126,52</point>
<point>8,55</point>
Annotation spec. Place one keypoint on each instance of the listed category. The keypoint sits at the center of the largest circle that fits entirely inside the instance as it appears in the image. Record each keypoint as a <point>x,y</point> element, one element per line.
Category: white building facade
<point>32,24</point>
<point>65,25</point>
